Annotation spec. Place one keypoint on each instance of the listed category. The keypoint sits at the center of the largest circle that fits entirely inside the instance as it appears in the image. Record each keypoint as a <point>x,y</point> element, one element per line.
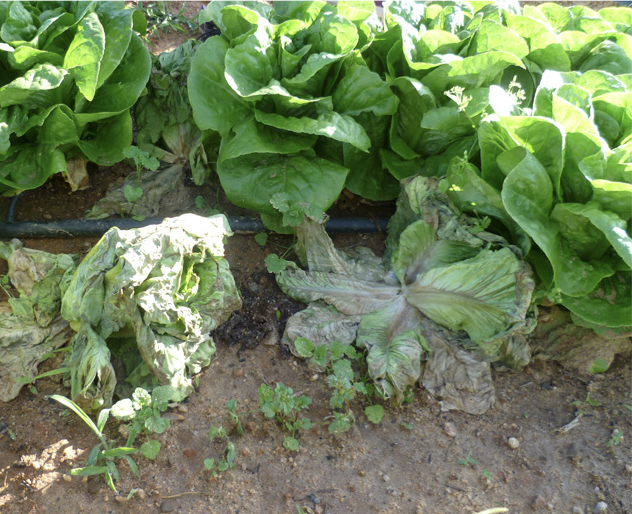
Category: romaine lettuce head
<point>69,74</point>
<point>298,109</point>
<point>148,297</point>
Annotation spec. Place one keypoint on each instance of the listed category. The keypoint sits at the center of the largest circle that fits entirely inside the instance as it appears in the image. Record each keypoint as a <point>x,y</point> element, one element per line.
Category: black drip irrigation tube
<point>90,228</point>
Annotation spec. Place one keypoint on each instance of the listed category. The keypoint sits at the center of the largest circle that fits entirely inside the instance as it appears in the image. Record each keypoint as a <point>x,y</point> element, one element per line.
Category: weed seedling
<point>615,439</point>
<point>337,362</point>
<point>231,407</point>
<point>5,284</point>
<point>228,460</point>
<point>143,412</point>
<point>581,405</point>
<point>261,238</point>
<point>102,458</point>
<point>207,210</point>
<point>467,461</point>
<point>284,406</point>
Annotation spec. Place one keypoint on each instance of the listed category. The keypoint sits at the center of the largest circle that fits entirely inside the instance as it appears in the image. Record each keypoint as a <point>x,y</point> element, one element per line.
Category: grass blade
<point>78,411</point>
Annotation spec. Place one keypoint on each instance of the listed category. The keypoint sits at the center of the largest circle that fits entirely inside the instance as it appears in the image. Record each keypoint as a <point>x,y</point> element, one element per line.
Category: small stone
<point>572,451</point>
<point>513,443</point>
<point>106,498</point>
<point>168,506</point>
<point>386,478</point>
<point>318,509</point>
<point>141,494</point>
<point>578,510</point>
<point>450,429</point>
<point>67,478</point>
<point>362,473</point>
<point>628,468</point>
<point>314,498</point>
<point>539,504</point>
<point>36,464</point>
<point>121,499</point>
<point>600,507</point>
<point>183,409</point>
<point>419,510</point>
<point>352,489</point>
<point>238,373</point>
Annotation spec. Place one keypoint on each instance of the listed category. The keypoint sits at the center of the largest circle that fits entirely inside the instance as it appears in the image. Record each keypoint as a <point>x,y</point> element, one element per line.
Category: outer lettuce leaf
<point>394,342</point>
<point>331,124</point>
<point>562,337</point>
<point>348,295</point>
<point>321,324</point>
<point>23,344</point>
<point>92,376</point>
<point>419,252</point>
<point>478,295</point>
<point>471,72</point>
<point>299,175</point>
<point>458,377</point>
<point>527,195</point>
<point>415,99</point>
<point>41,279</point>
<point>251,137</point>
<point>470,193</point>
<point>608,305</point>
<point>361,90</point>
<point>84,55</point>
<point>367,176</point>
<point>224,108</point>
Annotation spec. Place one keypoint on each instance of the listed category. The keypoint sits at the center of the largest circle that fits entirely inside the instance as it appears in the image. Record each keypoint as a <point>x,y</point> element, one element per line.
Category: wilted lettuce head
<point>148,298</point>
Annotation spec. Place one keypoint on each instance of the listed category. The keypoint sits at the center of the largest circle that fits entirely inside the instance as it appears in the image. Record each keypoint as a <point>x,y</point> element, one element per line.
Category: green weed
<point>102,458</point>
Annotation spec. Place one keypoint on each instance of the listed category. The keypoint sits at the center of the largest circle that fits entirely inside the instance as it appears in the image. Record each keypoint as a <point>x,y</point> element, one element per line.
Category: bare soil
<point>408,463</point>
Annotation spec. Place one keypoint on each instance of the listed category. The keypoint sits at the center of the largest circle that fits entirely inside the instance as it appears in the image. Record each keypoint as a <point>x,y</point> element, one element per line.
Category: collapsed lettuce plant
<point>31,327</point>
<point>165,131</point>
<point>446,286</point>
<point>69,74</point>
<point>299,111</point>
<point>150,298</point>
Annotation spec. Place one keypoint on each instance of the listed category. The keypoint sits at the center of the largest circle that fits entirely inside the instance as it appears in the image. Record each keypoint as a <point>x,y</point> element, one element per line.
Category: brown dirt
<point>407,463</point>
